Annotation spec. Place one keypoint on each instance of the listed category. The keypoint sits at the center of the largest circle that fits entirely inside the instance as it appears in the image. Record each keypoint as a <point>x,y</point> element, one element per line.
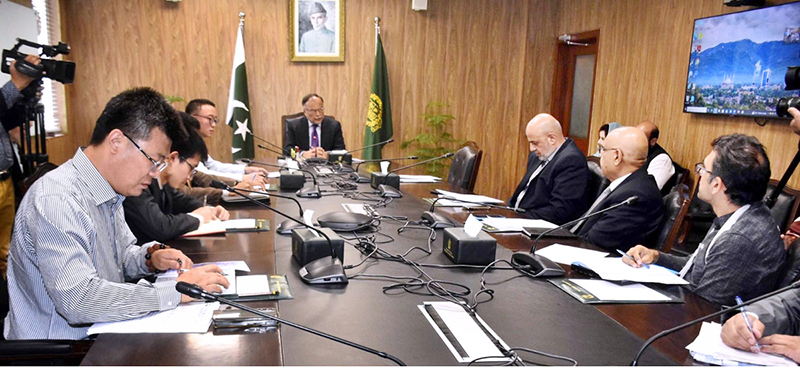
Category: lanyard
<point>725,227</point>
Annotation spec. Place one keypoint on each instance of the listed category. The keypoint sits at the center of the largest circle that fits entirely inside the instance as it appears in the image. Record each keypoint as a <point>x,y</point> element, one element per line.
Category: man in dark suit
<point>314,133</point>
<point>556,185</point>
<point>622,159</point>
<point>162,213</point>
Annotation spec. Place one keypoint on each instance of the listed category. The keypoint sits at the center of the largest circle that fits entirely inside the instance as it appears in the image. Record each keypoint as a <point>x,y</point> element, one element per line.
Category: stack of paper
<point>232,197</point>
<point>609,291</point>
<point>614,269</point>
<point>186,318</point>
<point>411,178</point>
<point>567,255</point>
<point>217,227</point>
<point>472,199</point>
<point>709,348</point>
<point>516,224</point>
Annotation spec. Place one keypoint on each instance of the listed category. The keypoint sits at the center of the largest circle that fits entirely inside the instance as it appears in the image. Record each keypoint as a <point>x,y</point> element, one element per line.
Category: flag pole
<point>377,31</point>
<point>241,19</point>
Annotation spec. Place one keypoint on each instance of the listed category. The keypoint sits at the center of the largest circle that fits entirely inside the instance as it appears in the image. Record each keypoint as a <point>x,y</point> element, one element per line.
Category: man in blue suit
<point>556,185</point>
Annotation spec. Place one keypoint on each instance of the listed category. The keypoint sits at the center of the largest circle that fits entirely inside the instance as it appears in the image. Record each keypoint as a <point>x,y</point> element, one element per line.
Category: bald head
<point>650,130</point>
<point>626,151</point>
<point>544,135</point>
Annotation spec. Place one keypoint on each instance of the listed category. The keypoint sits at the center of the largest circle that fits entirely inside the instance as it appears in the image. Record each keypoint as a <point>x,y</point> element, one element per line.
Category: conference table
<point>524,312</point>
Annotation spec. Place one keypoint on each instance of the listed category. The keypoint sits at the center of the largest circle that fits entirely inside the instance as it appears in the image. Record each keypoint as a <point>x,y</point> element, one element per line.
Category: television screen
<point>738,61</point>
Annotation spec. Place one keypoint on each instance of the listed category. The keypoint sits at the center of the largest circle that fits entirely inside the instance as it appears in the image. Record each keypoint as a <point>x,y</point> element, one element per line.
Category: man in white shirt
<point>206,113</point>
<point>659,163</point>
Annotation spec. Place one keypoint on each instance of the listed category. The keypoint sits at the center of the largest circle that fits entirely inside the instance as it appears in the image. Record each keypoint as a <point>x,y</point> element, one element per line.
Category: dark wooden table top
<point>525,312</point>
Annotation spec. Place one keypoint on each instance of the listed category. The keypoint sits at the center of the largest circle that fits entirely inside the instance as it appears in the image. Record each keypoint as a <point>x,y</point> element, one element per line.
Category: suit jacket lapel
<point>303,131</point>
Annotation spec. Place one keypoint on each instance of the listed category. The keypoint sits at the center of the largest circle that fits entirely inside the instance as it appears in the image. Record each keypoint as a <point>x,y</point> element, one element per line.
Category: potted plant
<point>435,140</point>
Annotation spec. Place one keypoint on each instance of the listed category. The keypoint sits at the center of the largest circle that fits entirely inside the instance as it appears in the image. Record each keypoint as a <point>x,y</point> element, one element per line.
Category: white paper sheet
<point>232,197</point>
<point>608,291</point>
<point>239,223</point>
<point>564,254</point>
<point>251,285</point>
<point>708,347</point>
<point>614,269</point>
<point>516,224</point>
<point>412,178</point>
<point>468,334</point>
<point>472,226</point>
<point>355,208</point>
<point>186,318</point>
<point>471,198</point>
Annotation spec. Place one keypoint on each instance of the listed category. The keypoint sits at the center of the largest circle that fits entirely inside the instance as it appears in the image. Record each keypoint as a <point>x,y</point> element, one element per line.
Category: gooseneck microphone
<point>647,343</point>
<point>373,145</point>
<point>195,291</point>
<point>260,146</point>
<point>493,206</point>
<point>412,157</point>
<point>445,156</point>
<point>287,225</point>
<point>392,179</point>
<point>283,150</point>
<point>307,191</point>
<point>330,270</point>
<point>437,221</point>
<point>544,267</point>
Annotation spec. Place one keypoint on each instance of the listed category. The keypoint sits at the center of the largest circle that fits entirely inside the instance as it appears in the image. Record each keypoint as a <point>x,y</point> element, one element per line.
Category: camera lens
<point>793,78</point>
<point>786,103</point>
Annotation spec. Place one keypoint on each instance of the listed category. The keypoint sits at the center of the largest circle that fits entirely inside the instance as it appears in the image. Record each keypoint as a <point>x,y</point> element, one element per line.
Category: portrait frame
<point>316,36</point>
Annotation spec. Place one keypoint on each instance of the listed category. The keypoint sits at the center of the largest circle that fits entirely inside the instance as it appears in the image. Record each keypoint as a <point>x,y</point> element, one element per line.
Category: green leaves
<point>435,141</point>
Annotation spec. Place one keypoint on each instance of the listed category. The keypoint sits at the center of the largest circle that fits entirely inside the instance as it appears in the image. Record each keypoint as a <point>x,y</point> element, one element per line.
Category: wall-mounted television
<point>738,61</point>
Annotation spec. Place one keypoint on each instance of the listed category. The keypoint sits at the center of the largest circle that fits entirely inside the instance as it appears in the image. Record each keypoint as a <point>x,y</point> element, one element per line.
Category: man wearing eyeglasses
<point>742,253</point>
<point>206,114</point>
<point>622,158</point>
<point>162,213</point>
<point>71,251</point>
<point>314,134</point>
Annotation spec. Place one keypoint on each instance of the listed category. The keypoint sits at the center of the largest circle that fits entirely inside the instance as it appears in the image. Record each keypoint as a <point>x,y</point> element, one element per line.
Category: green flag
<point>379,112</point>
<point>238,116</point>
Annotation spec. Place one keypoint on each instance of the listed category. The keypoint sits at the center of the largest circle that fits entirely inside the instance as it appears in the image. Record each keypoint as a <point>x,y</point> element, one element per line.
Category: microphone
<point>195,291</point>
<point>392,179</point>
<point>647,343</point>
<point>283,150</point>
<point>544,267</point>
<point>373,145</point>
<point>305,192</point>
<point>260,146</point>
<point>438,221</point>
<point>493,206</point>
<point>323,270</point>
<point>287,225</point>
<point>359,179</point>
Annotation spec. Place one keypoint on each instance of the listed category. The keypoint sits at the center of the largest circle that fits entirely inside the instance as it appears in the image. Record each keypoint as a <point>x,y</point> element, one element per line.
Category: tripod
<point>33,150</point>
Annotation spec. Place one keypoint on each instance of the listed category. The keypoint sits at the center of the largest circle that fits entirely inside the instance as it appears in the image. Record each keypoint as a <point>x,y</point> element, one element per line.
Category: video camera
<point>57,70</point>
<point>792,83</point>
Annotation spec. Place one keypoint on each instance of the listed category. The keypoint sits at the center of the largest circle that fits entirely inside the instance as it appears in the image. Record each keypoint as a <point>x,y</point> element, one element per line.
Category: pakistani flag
<point>238,116</point>
<point>379,112</point>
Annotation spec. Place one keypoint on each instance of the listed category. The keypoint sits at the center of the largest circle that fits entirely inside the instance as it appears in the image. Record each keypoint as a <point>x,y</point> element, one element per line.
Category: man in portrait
<point>320,39</point>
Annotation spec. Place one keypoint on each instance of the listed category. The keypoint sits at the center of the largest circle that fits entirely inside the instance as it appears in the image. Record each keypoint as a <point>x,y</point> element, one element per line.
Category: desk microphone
<point>359,179</point>
<point>438,221</point>
<point>195,291</point>
<point>635,361</point>
<point>324,270</point>
<point>284,151</point>
<point>306,192</point>
<point>260,146</point>
<point>287,225</point>
<point>392,179</point>
<point>373,145</point>
<point>544,267</point>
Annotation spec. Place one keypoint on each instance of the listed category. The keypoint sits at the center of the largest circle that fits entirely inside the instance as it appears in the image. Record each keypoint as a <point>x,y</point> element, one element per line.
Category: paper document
<point>470,198</point>
<point>608,291</point>
<point>412,178</point>
<point>247,223</point>
<point>229,269</point>
<point>232,197</point>
<point>461,333</point>
<point>275,174</point>
<point>563,254</point>
<point>355,208</point>
<point>614,269</point>
<point>516,224</point>
<point>252,285</point>
<point>218,226</point>
<point>709,348</point>
<point>194,317</point>
<point>202,168</point>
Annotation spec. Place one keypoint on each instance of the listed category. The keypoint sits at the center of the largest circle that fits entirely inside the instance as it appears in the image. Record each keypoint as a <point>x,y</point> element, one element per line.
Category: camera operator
<point>12,114</point>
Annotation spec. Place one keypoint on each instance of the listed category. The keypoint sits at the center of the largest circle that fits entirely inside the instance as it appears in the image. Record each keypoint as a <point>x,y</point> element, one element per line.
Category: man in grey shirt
<point>742,252</point>
<point>71,250</point>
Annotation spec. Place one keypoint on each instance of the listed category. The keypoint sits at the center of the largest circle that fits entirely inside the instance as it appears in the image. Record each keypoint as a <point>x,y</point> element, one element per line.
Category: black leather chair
<point>785,209</point>
<point>681,176</point>
<point>597,181</point>
<point>464,168</point>
<point>790,270</point>
<point>285,119</point>
<point>676,205</point>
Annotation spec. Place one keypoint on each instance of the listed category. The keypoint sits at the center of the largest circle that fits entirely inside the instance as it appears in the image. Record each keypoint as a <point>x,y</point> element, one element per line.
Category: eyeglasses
<point>320,110</point>
<point>603,149</point>
<point>210,118</point>
<point>700,168</point>
<point>157,165</point>
<point>194,168</point>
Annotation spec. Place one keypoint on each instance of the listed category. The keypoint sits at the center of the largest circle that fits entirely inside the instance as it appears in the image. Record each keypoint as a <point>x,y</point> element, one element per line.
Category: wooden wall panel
<point>641,71</point>
<point>474,55</point>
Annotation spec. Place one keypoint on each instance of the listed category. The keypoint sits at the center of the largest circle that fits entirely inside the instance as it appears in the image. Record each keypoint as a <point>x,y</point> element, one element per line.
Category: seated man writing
<point>71,251</point>
<point>742,252</point>
<point>161,213</point>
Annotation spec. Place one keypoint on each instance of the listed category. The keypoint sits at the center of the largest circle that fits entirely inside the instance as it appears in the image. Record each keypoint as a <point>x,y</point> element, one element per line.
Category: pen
<point>205,200</point>
<point>625,255</point>
<point>254,176</point>
<point>747,321</point>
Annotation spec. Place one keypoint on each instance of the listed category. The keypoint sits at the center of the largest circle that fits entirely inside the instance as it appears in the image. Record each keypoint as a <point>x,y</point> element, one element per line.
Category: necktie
<point>314,136</point>
<point>592,208</point>
<point>533,176</point>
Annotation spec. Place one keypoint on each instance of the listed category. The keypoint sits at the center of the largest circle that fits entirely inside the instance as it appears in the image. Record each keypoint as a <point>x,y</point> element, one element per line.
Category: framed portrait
<point>316,29</point>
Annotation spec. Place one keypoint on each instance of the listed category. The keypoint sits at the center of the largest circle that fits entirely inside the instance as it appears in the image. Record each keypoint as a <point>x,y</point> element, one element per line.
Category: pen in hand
<point>205,200</point>
<point>625,255</point>
<point>747,321</point>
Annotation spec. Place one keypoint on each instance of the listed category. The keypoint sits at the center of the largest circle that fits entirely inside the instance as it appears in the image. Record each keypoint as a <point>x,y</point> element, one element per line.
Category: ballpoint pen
<point>747,321</point>
<point>205,200</point>
<point>625,255</point>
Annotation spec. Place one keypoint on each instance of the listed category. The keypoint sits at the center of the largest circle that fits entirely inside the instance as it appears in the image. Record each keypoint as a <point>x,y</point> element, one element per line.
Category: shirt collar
<point>615,183</point>
<point>553,154</point>
<point>99,188</point>
<point>311,124</point>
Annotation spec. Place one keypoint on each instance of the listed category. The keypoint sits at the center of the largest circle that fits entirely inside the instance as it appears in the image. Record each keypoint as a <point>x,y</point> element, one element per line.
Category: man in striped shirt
<point>72,252</point>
